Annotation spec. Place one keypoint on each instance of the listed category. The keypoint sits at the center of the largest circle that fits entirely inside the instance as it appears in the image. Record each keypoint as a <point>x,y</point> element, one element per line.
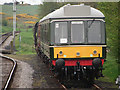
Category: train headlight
<point>77,54</point>
<point>94,52</point>
<point>84,67</point>
<point>61,53</point>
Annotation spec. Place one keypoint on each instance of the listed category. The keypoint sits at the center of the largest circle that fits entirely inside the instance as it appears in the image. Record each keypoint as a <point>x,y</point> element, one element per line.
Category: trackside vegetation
<point>110,11</point>
<point>25,42</point>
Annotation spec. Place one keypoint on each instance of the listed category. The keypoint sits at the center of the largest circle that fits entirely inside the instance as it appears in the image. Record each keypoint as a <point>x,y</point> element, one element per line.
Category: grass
<point>6,29</point>
<point>26,46</point>
<point>29,9</point>
<point>111,69</point>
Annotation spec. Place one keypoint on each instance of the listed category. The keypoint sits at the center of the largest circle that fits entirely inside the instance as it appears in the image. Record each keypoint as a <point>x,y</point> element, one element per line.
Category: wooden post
<point>11,47</point>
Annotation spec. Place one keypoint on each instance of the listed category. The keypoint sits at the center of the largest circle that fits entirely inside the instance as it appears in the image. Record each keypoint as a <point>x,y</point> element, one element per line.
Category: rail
<point>97,87</point>
<point>5,36</point>
<point>12,70</point>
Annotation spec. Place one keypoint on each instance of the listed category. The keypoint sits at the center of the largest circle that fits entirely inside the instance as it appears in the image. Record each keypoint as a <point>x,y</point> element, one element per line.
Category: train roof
<point>72,11</point>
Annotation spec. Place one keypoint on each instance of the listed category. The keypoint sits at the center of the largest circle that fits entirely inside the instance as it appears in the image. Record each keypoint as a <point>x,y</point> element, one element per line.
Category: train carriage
<point>73,40</point>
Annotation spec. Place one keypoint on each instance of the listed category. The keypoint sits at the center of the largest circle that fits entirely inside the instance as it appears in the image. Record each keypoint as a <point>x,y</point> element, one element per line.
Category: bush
<point>4,22</point>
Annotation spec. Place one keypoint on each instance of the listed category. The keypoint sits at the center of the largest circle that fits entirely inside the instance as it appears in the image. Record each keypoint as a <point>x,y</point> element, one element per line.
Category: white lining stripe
<point>80,46</point>
<point>76,45</point>
<point>76,20</point>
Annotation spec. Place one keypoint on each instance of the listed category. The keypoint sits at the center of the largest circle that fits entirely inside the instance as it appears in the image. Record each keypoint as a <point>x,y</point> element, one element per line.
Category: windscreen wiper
<point>91,23</point>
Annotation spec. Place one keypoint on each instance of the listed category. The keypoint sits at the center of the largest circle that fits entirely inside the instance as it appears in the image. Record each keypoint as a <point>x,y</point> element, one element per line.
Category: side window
<point>41,28</point>
<point>44,33</point>
<point>47,33</point>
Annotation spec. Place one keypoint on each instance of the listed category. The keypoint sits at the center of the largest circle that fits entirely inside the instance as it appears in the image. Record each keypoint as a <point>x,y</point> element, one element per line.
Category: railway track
<point>97,87</point>
<point>5,42</point>
<point>7,66</point>
<point>92,87</point>
<point>71,86</point>
<point>3,37</point>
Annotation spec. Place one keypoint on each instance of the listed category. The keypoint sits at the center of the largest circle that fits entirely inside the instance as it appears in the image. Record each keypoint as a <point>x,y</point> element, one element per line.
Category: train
<point>72,40</point>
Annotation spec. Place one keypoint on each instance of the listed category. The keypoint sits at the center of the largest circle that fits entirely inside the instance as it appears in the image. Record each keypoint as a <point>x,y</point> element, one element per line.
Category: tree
<point>48,7</point>
<point>110,10</point>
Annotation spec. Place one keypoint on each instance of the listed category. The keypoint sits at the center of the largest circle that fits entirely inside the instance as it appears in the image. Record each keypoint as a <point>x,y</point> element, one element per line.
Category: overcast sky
<point>33,2</point>
<point>36,2</point>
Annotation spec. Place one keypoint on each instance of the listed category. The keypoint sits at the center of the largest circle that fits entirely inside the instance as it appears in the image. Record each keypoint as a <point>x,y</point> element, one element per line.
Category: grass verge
<point>111,69</point>
<point>26,45</point>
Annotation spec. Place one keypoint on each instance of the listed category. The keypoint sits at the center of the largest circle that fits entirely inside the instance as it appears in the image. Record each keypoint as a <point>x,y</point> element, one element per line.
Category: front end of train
<point>78,46</point>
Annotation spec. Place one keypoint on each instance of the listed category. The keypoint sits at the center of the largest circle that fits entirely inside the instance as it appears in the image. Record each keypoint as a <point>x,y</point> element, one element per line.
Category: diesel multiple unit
<point>72,40</point>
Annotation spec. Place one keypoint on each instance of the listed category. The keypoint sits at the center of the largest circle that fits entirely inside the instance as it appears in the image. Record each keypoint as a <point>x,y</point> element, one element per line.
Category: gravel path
<point>23,76</point>
<point>33,73</point>
<point>7,42</point>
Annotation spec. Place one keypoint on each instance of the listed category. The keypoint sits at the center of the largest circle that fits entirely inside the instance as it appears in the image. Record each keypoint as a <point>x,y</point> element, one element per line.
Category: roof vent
<point>82,4</point>
<point>77,10</point>
<point>68,4</point>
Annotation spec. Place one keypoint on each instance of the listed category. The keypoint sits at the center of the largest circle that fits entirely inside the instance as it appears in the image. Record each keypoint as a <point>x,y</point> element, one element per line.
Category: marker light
<point>94,52</point>
<point>60,52</point>
<point>78,54</point>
